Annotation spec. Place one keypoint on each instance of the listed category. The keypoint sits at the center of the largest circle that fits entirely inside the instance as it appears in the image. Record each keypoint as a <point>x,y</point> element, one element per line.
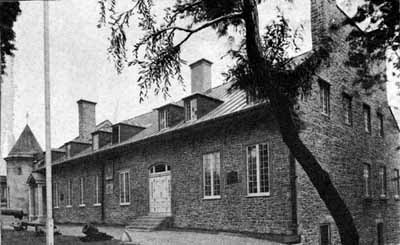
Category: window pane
<point>252,168</point>
<point>216,174</point>
<point>207,175</point>
<point>347,109</point>
<point>127,191</point>
<point>121,186</point>
<point>367,174</point>
<point>193,109</point>
<point>367,118</point>
<point>325,235</point>
<point>264,181</point>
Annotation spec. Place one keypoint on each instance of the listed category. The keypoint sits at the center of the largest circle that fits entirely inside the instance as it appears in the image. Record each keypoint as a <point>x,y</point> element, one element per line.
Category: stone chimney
<point>87,118</point>
<point>319,21</point>
<point>201,75</point>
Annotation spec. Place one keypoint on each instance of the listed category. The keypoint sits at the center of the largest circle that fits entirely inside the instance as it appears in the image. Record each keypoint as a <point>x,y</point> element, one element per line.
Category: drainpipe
<point>293,192</point>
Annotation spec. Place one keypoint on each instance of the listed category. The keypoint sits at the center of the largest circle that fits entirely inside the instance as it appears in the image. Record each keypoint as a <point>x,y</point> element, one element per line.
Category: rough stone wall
<point>342,149</point>
<point>18,171</point>
<point>233,211</point>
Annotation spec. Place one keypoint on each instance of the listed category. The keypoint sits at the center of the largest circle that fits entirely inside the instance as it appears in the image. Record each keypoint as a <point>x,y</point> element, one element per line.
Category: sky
<point>79,68</point>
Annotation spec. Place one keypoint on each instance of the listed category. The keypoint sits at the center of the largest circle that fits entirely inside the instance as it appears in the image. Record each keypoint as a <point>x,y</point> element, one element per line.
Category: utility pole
<point>49,203</point>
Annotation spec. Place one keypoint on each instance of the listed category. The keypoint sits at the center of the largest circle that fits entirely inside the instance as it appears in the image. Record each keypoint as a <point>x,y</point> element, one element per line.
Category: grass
<point>29,238</point>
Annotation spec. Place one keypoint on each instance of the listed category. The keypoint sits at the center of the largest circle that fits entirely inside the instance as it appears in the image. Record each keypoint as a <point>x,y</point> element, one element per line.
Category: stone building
<point>215,160</point>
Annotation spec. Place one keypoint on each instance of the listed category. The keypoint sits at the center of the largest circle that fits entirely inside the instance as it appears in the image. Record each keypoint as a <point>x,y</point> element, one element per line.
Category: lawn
<point>11,237</point>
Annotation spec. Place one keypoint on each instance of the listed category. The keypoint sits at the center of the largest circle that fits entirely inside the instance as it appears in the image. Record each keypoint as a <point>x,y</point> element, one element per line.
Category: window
<point>191,110</point>
<point>68,150</point>
<point>163,119</point>
<point>367,118</point>
<point>115,134</point>
<point>396,183</point>
<point>69,193</point>
<point>18,171</point>
<point>380,121</point>
<point>95,141</point>
<point>325,97</point>
<point>96,191</point>
<point>379,231</point>
<point>56,200</point>
<point>325,234</point>
<point>258,170</point>
<point>81,192</point>
<point>124,198</point>
<point>367,180</point>
<point>382,180</point>
<point>347,109</point>
<point>211,175</point>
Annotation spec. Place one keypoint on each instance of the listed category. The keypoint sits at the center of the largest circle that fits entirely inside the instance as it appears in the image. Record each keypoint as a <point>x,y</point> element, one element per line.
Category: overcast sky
<point>79,68</point>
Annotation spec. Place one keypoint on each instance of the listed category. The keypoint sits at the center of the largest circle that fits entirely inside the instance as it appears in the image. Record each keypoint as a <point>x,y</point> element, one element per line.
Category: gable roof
<point>26,145</point>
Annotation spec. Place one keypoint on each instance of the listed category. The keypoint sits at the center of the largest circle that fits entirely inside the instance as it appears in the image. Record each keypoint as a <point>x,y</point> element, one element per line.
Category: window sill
<point>68,206</point>
<point>267,194</point>
<point>212,198</point>
<point>82,205</point>
<point>97,204</point>
<point>125,204</point>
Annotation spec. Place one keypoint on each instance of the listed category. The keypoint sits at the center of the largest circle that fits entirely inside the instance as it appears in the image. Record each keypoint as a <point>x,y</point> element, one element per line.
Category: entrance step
<point>150,223</point>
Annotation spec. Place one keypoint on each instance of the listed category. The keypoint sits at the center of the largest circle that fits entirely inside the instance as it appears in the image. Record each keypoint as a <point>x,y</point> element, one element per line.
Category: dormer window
<point>68,150</point>
<point>115,135</point>
<point>95,141</point>
<point>191,110</point>
<point>163,119</point>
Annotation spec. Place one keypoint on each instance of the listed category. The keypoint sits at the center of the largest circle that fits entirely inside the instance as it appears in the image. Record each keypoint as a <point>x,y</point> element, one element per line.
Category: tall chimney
<point>320,10</point>
<point>87,118</point>
<point>201,75</point>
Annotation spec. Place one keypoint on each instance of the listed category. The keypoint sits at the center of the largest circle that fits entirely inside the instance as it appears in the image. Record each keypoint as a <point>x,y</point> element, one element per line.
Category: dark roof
<point>26,145</point>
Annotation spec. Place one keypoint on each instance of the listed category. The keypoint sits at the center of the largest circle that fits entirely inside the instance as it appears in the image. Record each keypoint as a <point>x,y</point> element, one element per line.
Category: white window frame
<point>367,118</point>
<point>69,193</point>
<point>55,195</point>
<point>163,119</point>
<point>96,191</point>
<point>329,233</point>
<point>258,193</point>
<point>82,192</point>
<point>191,110</point>
<point>125,198</point>
<point>396,183</point>
<point>383,181</point>
<point>96,141</point>
<point>213,165</point>
<point>325,100</point>
<point>367,179</point>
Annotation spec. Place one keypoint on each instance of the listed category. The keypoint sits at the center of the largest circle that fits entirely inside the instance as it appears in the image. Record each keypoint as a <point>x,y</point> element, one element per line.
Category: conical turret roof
<point>26,145</point>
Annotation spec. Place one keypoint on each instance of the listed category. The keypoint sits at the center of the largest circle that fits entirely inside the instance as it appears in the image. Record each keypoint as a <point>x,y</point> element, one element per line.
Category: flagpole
<point>49,206</point>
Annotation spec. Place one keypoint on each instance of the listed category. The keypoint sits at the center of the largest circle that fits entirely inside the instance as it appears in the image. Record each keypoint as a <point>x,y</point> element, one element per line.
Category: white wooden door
<point>160,193</point>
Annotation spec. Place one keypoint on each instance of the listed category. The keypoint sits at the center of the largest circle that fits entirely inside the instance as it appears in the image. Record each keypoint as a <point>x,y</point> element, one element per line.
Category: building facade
<point>215,160</point>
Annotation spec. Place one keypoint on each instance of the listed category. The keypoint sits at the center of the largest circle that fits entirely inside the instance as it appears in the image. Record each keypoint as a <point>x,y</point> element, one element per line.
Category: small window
<point>124,188</point>
<point>81,191</point>
<point>396,183</point>
<point>95,141</point>
<point>379,231</point>
<point>211,175</point>
<point>380,121</point>
<point>325,97</point>
<point>97,191</point>
<point>258,170</point>
<point>191,110</point>
<point>68,150</point>
<point>163,118</point>
<point>18,171</point>
<point>347,109</point>
<point>367,180</point>
<point>367,118</point>
<point>115,135</point>
<point>69,193</point>
<point>382,181</point>
<point>325,234</point>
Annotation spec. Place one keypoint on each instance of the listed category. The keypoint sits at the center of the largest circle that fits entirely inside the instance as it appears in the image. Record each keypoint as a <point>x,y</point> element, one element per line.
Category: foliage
<point>8,15</point>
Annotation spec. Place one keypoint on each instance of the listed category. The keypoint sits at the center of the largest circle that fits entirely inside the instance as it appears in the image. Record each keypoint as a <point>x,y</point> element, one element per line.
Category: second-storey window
<point>81,191</point>
<point>367,180</point>
<point>382,181</point>
<point>258,169</point>
<point>380,121</point>
<point>396,183</point>
<point>191,110</point>
<point>96,190</point>
<point>325,97</point>
<point>124,193</point>
<point>347,109</point>
<point>211,175</point>
<point>163,119</point>
<point>95,141</point>
<point>367,118</point>
<point>69,193</point>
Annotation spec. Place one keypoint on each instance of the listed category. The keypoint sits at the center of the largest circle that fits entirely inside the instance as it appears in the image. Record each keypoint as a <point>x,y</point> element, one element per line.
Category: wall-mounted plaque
<point>109,171</point>
<point>232,177</point>
<point>109,188</point>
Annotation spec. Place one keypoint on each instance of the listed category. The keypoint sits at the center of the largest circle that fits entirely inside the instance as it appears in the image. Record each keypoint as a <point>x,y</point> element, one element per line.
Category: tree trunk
<point>281,108</point>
